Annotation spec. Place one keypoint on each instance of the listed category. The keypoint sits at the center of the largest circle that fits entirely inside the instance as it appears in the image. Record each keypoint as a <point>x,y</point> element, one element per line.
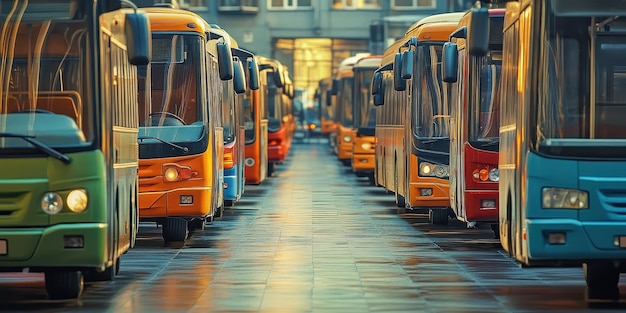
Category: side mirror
<point>329,95</point>
<point>478,37</point>
<point>253,72</point>
<point>239,78</point>
<point>225,61</point>
<point>450,62</point>
<point>399,84</point>
<point>334,90</point>
<point>407,64</point>
<point>139,38</point>
<point>378,99</point>
<point>377,81</point>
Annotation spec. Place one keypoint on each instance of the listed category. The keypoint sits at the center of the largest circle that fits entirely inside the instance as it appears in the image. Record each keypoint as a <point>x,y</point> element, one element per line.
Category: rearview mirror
<point>478,37</point>
<point>399,84</point>
<point>407,64</point>
<point>450,62</point>
<point>225,61</point>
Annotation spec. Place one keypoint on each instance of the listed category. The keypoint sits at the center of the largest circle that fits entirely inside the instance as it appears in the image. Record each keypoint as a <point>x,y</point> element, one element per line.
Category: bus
<point>281,124</point>
<point>256,127</point>
<point>342,88</point>
<point>562,152</point>
<point>474,115</point>
<point>364,117</point>
<point>68,138</point>
<point>233,119</point>
<point>181,144</point>
<point>420,130</point>
<point>327,106</point>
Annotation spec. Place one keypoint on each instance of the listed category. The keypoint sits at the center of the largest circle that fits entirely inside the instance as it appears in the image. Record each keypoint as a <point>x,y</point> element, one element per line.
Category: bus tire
<point>196,224</point>
<point>372,179</point>
<point>175,229</point>
<point>438,216</point>
<point>602,279</point>
<point>64,284</point>
<point>108,274</point>
<point>400,201</point>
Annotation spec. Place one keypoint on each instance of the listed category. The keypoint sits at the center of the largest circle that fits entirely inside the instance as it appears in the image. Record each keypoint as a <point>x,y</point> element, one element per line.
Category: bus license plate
<point>3,247</point>
<point>622,241</point>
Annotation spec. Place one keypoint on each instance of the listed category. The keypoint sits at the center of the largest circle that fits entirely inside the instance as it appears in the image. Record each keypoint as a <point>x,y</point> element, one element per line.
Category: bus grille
<point>614,201</point>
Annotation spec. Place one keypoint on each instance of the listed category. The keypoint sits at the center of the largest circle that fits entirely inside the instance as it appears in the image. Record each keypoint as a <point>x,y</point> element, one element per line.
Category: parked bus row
<point>510,116</point>
<point>113,116</point>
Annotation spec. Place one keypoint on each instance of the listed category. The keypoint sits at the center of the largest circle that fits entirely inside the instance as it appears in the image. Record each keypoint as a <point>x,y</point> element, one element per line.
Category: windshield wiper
<point>433,140</point>
<point>39,145</point>
<point>491,142</point>
<point>185,149</point>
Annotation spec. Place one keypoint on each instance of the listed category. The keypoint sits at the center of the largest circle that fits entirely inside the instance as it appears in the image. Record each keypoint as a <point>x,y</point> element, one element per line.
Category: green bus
<point>68,138</point>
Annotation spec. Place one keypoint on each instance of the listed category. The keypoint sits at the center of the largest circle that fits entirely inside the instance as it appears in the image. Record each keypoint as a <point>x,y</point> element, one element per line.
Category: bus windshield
<point>484,117</point>
<point>365,115</point>
<point>570,109</point>
<point>45,82</point>
<point>345,101</point>
<point>170,102</point>
<point>430,104</point>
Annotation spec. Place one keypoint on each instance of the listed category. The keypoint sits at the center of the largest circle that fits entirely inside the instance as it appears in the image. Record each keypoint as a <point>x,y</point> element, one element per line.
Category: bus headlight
<point>560,198</point>
<point>441,171</point>
<point>52,203</point>
<point>494,174</point>
<point>347,138</point>
<point>170,174</point>
<point>437,170</point>
<point>426,169</point>
<point>366,146</point>
<point>77,200</point>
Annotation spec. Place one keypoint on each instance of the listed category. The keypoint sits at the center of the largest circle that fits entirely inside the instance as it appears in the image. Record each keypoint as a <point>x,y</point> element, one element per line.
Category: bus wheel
<point>108,274</point>
<point>438,216</point>
<point>400,202</point>
<point>496,231</point>
<point>270,169</point>
<point>64,284</point>
<point>602,280</point>
<point>175,229</point>
<point>229,203</point>
<point>372,179</point>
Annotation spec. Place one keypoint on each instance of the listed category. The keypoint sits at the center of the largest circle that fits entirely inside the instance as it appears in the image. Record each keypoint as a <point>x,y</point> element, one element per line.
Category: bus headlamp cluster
<point>347,138</point>
<point>560,198</point>
<point>174,172</point>
<point>366,146</point>
<point>434,170</point>
<point>484,173</point>
<point>76,201</point>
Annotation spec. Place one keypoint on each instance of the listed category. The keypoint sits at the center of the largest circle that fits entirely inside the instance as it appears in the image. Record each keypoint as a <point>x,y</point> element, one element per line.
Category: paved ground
<point>315,238</point>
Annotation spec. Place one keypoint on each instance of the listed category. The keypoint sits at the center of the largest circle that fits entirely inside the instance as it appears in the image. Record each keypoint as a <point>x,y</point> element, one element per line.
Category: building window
<point>289,4</point>
<point>412,4</point>
<point>356,4</point>
<point>196,4</point>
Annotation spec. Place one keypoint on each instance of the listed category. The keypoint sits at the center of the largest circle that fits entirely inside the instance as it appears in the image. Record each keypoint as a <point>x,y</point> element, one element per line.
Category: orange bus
<point>364,120</point>
<point>281,124</point>
<point>181,147</point>
<point>255,122</point>
<point>415,127</point>
<point>474,122</point>
<point>326,104</point>
<point>233,119</point>
<point>342,89</point>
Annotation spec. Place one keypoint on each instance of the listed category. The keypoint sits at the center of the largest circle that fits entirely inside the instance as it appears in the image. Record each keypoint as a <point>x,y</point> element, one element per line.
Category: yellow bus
<point>68,139</point>
<point>181,143</point>
<point>364,117</point>
<point>415,128</point>
<point>342,89</point>
<point>327,106</point>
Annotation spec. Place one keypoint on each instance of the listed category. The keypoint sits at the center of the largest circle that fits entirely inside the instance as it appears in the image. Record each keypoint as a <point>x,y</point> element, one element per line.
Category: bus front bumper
<point>569,239</point>
<point>481,206</point>
<point>183,202</point>
<point>430,195</point>
<point>81,245</point>
<point>363,164</point>
<point>231,184</point>
<point>276,154</point>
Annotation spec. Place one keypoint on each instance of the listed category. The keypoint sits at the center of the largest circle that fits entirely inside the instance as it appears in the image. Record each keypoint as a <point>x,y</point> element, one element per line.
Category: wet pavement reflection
<point>315,238</point>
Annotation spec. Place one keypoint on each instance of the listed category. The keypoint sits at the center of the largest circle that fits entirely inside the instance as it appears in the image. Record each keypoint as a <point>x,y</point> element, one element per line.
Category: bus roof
<point>435,27</point>
<point>168,19</point>
<point>223,33</point>
<point>391,51</point>
<point>372,61</point>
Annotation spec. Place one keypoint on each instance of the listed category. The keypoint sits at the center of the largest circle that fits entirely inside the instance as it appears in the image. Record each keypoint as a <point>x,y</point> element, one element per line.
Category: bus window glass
<point>610,87</point>
<point>248,116</point>
<point>346,101</point>
<point>485,125</point>
<point>60,85</point>
<point>432,114</point>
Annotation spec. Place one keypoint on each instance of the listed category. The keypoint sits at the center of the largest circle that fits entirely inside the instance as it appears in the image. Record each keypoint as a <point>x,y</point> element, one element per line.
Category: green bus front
<point>68,182</point>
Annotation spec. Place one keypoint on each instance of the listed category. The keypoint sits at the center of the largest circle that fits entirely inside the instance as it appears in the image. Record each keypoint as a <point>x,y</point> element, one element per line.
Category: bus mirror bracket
<point>139,38</point>
<point>478,35</point>
<point>225,61</point>
<point>450,62</point>
<point>329,100</point>
<point>334,89</point>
